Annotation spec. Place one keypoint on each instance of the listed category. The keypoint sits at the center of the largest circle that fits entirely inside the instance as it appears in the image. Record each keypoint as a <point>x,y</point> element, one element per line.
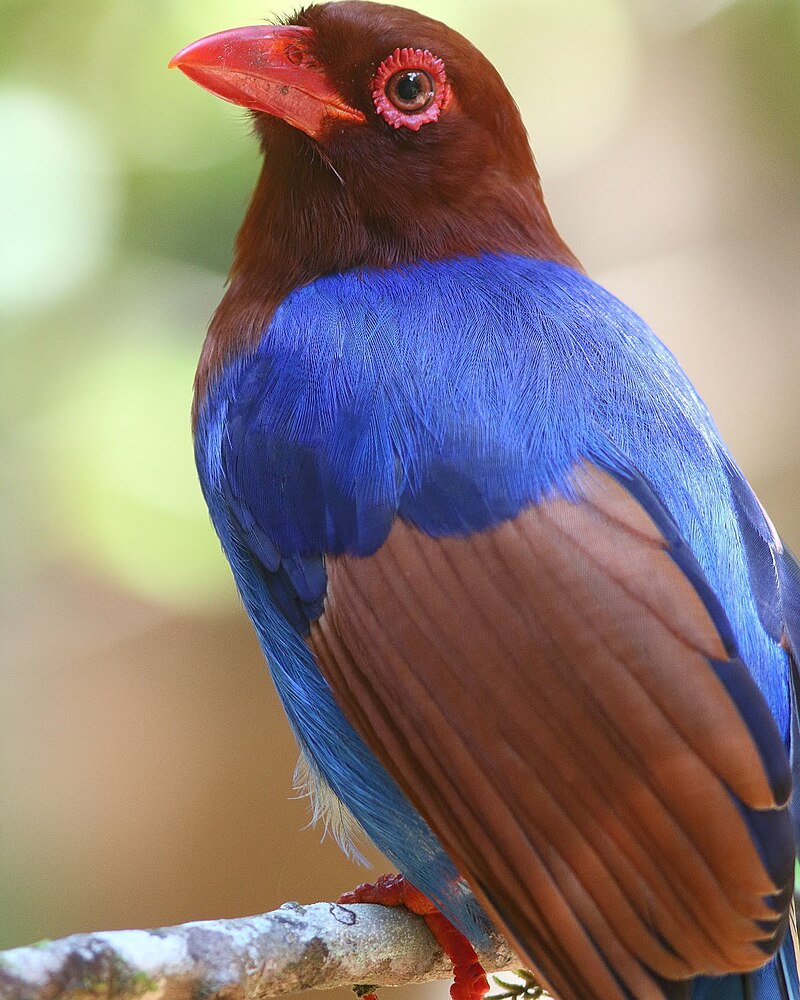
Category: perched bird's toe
<point>469,977</point>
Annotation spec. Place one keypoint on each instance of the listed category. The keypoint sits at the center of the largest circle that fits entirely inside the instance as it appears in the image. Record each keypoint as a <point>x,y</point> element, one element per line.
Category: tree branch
<point>291,949</point>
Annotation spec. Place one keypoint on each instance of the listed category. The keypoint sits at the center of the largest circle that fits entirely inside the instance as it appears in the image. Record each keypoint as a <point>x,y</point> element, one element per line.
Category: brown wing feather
<point>542,693</point>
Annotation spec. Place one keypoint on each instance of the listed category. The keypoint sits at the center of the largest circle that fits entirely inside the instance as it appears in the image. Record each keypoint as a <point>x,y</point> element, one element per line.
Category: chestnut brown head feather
<point>367,194</point>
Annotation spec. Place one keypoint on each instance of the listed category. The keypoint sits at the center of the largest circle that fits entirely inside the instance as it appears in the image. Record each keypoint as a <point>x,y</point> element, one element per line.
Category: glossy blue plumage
<point>453,394</point>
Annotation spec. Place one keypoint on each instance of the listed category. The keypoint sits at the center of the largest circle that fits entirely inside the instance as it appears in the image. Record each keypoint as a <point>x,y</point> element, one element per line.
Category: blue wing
<point>775,581</point>
<point>455,395</point>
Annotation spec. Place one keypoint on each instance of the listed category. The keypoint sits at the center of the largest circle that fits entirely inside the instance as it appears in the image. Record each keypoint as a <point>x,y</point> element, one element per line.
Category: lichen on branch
<point>289,950</point>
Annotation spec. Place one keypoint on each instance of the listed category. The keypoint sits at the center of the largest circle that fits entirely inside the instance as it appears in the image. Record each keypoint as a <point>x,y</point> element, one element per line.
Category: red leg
<point>469,979</point>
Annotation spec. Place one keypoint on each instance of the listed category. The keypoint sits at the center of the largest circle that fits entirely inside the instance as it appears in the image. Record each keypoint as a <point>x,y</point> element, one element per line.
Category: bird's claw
<point>469,978</point>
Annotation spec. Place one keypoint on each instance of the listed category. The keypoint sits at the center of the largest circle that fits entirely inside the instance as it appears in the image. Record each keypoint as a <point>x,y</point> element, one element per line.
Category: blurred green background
<point>145,767</point>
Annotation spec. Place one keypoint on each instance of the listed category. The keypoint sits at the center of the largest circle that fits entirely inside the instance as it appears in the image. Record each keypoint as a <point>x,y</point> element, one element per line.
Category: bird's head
<point>388,138</point>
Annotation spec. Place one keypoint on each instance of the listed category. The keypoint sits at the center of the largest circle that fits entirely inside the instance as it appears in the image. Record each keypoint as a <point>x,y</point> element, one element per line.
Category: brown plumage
<point>577,827</point>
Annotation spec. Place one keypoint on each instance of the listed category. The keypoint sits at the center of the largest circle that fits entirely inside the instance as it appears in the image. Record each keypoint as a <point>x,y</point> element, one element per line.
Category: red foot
<point>469,979</point>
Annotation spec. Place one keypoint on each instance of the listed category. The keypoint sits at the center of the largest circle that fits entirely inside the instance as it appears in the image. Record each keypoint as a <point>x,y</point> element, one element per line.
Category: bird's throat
<point>307,219</point>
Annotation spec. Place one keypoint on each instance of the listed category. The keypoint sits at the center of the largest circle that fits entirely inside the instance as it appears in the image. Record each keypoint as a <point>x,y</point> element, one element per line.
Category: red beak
<point>268,69</point>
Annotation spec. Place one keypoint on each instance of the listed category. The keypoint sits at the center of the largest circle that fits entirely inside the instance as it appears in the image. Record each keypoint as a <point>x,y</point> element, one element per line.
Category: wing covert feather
<point>553,696</point>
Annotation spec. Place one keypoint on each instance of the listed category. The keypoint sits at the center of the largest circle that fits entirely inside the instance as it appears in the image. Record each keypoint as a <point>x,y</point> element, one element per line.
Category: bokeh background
<point>145,766</point>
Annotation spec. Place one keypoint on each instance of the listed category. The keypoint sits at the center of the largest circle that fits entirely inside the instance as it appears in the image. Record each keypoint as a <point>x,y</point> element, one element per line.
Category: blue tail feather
<point>778,980</point>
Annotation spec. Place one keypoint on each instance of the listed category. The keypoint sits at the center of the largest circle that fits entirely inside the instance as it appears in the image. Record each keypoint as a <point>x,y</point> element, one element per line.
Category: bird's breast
<point>416,391</point>
<point>452,393</point>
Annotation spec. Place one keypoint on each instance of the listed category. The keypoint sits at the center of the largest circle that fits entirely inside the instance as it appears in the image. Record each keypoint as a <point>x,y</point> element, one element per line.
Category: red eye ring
<point>411,59</point>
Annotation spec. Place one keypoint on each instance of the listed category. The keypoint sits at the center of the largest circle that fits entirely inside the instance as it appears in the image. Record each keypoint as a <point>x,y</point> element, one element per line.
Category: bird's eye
<point>411,90</point>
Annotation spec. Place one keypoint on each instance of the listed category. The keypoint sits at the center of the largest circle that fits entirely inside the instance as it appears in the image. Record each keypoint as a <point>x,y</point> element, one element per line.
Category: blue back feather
<point>453,394</point>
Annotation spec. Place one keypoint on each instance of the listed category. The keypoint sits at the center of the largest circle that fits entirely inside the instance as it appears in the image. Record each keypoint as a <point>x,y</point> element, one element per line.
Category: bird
<point>535,634</point>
